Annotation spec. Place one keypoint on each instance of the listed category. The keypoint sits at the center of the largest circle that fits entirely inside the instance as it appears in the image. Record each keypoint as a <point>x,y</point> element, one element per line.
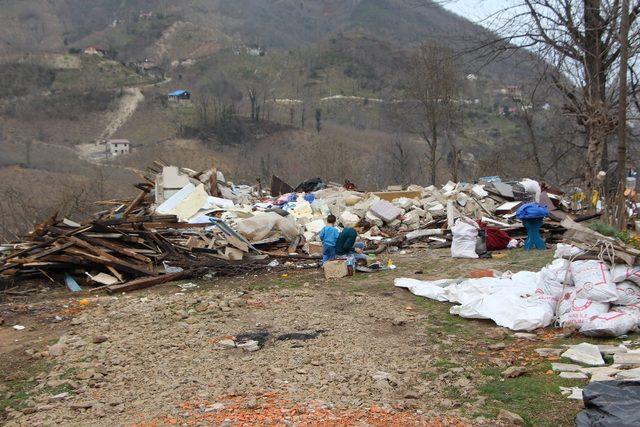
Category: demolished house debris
<point>184,222</point>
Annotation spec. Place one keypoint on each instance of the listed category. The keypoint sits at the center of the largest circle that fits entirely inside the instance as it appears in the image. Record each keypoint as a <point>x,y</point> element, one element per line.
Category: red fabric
<point>496,238</point>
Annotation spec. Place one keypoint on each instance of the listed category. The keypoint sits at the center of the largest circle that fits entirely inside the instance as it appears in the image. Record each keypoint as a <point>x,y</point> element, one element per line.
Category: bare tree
<point>580,38</point>
<point>433,85</point>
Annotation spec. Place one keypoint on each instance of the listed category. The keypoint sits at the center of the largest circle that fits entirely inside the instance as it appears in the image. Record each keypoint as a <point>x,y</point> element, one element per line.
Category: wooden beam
<point>147,282</point>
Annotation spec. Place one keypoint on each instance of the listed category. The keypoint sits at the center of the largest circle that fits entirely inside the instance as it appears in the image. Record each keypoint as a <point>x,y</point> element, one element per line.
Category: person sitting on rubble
<point>329,235</point>
<point>346,246</point>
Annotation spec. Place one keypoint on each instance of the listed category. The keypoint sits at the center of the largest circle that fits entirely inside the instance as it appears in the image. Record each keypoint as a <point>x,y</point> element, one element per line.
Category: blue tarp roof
<point>178,92</point>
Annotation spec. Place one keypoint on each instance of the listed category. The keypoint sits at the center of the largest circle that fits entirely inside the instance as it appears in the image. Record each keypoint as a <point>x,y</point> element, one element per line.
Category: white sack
<point>621,273</point>
<point>631,310</point>
<point>612,324</point>
<point>580,310</point>
<point>550,278</point>
<point>465,234</point>
<point>593,281</point>
<point>261,226</point>
<point>564,250</point>
<point>628,294</point>
<point>430,289</point>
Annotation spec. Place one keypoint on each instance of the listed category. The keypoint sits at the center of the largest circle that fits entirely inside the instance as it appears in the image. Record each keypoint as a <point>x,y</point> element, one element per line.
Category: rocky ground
<point>278,349</point>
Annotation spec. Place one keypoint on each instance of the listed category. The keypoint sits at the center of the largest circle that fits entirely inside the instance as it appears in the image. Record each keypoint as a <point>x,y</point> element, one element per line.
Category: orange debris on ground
<point>273,410</point>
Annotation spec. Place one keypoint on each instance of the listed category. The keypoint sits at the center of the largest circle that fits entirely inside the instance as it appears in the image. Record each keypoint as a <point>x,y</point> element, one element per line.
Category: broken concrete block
<point>574,393</point>
<point>565,367</point>
<point>604,373</point>
<point>548,352</point>
<point>628,375</point>
<point>412,220</point>
<point>315,226</point>
<point>373,220</point>
<point>584,353</point>
<point>347,219</point>
<point>630,359</point>
<point>335,269</point>
<point>610,350</point>
<point>573,375</point>
<point>404,203</point>
<point>385,211</point>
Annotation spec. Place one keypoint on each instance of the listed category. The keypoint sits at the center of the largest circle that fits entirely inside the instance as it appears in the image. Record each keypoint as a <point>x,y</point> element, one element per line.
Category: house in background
<point>117,147</point>
<point>94,50</point>
<point>180,95</point>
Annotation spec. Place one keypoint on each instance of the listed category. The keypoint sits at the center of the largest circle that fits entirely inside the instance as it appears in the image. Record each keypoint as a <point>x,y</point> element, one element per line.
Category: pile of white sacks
<point>593,296</point>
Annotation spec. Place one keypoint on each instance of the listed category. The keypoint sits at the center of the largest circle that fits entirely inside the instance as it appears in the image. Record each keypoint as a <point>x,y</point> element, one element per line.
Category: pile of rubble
<point>183,222</point>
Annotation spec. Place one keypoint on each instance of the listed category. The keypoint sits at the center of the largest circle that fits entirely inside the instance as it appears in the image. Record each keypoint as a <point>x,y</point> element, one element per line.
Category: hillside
<point>338,66</point>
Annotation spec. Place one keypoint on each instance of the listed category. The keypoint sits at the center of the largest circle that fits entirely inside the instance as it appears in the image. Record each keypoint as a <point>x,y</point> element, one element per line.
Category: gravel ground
<point>351,352</point>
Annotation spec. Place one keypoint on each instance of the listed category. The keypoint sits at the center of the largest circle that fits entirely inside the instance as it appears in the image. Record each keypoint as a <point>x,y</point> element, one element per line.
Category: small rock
<point>58,397</point>
<point>565,367</point>
<point>627,360</point>
<point>573,375</point>
<point>549,352</point>
<point>510,417</point>
<point>605,373</point>
<point>99,339</point>
<point>202,307</point>
<point>411,394</point>
<point>631,374</point>
<point>191,320</point>
<point>497,346</point>
<point>85,374</point>
<point>82,405</point>
<point>610,350</point>
<point>56,350</point>
<point>574,393</point>
<point>227,343</point>
<point>77,321</point>
<point>586,354</point>
<point>514,371</point>
<point>216,407</point>
<point>399,321</point>
<point>525,336</point>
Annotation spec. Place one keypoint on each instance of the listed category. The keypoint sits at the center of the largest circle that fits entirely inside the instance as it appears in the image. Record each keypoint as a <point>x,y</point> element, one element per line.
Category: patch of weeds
<point>452,392</point>
<point>19,390</point>
<point>68,374</point>
<point>444,364</point>
<point>531,396</point>
<point>429,375</point>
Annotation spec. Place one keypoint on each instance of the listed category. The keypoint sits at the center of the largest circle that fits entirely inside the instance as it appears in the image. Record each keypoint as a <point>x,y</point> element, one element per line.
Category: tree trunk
<point>622,116</point>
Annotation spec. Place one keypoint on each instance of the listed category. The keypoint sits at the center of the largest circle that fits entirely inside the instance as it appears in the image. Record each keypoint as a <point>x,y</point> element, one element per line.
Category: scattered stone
<point>565,367</point>
<point>191,320</point>
<point>399,321</point>
<point>605,373</point>
<point>227,343</point>
<point>202,307</point>
<point>510,417</point>
<point>514,371</point>
<point>584,353</point>
<point>630,359</point>
<point>629,375</point>
<point>99,339</point>
<point>216,407</point>
<point>610,350</point>
<point>525,336</point>
<point>411,394</point>
<point>549,352</point>
<point>56,350</point>
<point>77,321</point>
<point>44,407</point>
<point>574,393</point>
<point>85,374</point>
<point>83,405</point>
<point>497,346</point>
<point>58,397</point>
<point>573,375</point>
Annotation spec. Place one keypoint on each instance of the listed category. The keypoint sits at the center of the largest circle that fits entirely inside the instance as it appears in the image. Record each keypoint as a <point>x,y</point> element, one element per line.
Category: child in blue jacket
<point>328,235</point>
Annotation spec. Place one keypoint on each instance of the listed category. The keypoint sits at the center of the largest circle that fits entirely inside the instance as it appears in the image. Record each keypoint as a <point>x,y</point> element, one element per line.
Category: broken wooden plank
<point>147,282</point>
